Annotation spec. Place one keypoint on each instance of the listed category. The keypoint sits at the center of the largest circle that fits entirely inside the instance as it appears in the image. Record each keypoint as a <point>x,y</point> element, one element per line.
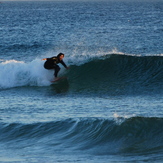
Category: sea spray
<point>18,73</point>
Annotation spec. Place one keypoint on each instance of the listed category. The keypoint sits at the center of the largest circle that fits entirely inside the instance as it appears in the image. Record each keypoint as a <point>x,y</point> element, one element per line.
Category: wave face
<point>94,135</point>
<point>113,73</point>
<point>119,73</point>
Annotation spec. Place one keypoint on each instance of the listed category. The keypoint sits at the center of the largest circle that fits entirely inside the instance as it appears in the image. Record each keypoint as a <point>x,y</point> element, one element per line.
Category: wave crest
<point>97,135</point>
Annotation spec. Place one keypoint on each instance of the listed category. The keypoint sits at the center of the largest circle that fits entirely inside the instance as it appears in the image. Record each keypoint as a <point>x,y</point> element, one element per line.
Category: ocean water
<point>109,106</point>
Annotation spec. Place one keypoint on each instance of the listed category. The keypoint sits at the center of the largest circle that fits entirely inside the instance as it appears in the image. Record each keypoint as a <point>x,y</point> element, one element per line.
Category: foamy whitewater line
<point>18,73</point>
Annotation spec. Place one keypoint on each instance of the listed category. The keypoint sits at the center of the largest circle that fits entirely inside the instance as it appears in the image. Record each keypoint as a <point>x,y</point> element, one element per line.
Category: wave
<point>95,135</point>
<point>119,73</point>
<point>106,73</point>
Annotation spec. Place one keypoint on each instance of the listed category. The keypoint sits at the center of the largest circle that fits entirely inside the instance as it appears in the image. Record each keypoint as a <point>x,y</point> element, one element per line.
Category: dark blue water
<point>109,106</point>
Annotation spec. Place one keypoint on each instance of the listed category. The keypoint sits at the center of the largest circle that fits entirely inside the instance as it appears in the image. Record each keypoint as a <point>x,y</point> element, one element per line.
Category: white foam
<point>124,115</point>
<point>78,59</point>
<point>18,73</point>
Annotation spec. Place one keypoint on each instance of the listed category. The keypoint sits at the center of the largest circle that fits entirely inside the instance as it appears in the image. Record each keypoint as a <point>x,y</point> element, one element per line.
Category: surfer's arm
<point>47,58</point>
<point>64,64</point>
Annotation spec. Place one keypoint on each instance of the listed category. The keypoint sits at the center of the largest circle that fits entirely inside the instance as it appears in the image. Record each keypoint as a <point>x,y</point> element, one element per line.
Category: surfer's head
<point>60,56</point>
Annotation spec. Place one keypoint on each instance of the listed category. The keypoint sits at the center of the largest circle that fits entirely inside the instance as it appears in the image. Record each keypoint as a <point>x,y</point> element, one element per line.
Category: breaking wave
<point>121,73</point>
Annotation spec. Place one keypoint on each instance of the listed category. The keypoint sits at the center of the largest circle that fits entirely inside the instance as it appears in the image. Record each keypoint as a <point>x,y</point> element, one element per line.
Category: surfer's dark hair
<point>60,55</point>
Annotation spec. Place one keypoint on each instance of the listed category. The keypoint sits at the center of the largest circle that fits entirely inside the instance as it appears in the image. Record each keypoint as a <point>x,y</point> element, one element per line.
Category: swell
<point>95,135</point>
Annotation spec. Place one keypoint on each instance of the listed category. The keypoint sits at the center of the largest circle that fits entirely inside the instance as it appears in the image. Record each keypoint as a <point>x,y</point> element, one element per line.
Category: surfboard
<point>59,78</point>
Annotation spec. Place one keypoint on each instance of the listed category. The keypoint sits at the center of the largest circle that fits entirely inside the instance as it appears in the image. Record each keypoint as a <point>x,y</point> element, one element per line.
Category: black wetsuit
<point>51,63</point>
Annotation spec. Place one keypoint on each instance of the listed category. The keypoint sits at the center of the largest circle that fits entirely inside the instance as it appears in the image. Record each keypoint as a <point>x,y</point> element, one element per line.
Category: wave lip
<point>95,135</point>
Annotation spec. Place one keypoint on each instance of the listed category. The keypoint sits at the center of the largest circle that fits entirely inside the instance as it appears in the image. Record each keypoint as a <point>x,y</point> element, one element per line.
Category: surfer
<point>51,63</point>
